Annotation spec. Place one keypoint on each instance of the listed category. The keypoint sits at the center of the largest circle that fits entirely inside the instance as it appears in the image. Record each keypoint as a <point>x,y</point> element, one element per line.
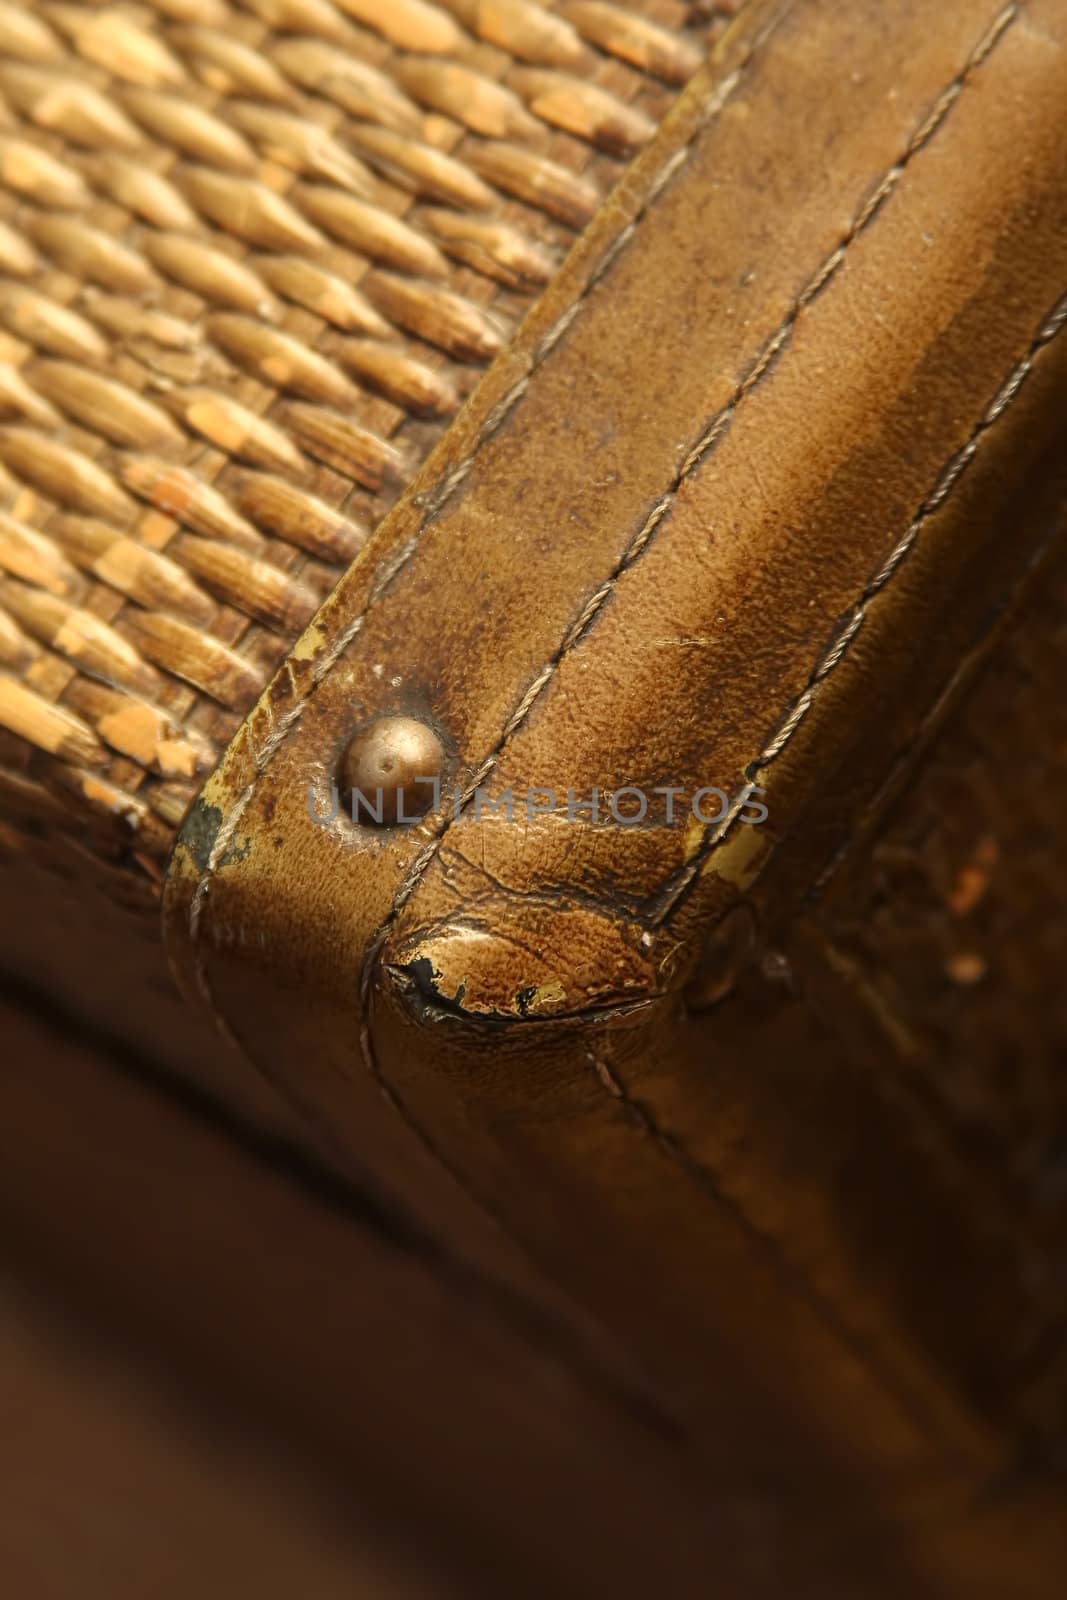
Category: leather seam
<point>453,480</point>
<point>699,453</point>
<point>944,486</point>
<point>436,499</point>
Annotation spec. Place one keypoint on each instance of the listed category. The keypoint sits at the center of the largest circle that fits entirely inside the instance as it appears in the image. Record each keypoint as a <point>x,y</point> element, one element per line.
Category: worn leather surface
<point>732,508</point>
<point>935,946</point>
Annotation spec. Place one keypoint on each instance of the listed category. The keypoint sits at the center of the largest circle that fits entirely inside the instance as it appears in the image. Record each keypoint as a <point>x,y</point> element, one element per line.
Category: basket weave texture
<point>253,257</point>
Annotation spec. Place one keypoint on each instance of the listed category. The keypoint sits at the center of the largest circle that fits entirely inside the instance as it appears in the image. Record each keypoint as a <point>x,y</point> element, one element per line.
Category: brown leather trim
<point>672,891</point>
<point>487,413</point>
<point>774,419</point>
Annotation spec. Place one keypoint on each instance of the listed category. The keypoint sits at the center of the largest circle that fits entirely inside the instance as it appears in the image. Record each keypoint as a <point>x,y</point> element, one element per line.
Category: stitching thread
<point>447,487</point>
<point>719,423</point>
<point>838,649</point>
<point>946,482</point>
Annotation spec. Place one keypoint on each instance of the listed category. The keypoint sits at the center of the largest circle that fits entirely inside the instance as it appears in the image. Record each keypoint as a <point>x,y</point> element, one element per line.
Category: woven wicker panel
<point>253,257</point>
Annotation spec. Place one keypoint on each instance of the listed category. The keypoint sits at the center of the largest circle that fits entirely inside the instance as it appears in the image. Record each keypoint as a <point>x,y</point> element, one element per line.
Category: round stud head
<point>388,770</point>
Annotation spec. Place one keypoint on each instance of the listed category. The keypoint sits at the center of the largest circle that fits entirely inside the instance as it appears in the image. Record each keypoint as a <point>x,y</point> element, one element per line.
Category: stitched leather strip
<point>752,454</point>
<point>374,604</point>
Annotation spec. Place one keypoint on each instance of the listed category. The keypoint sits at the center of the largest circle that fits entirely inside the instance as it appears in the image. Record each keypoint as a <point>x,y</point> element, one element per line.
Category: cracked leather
<point>732,509</point>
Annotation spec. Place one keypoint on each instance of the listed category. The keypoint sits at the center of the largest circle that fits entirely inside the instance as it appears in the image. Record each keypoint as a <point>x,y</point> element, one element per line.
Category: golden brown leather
<point>733,507</point>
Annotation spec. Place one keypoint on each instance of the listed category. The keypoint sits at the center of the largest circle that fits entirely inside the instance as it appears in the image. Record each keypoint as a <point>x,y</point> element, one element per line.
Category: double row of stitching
<point>947,481</point>
<point>714,430</point>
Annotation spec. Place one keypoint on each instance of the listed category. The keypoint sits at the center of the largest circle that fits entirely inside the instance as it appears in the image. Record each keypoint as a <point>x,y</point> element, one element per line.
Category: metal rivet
<point>388,768</point>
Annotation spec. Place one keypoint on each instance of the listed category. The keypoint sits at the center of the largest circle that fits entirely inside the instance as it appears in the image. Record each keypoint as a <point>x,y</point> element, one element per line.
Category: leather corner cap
<point>739,487</point>
<point>733,447</point>
<point>730,511</point>
<point>523,958</point>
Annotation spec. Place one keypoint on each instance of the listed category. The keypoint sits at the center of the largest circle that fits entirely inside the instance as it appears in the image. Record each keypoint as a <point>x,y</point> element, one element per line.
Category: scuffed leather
<point>731,509</point>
